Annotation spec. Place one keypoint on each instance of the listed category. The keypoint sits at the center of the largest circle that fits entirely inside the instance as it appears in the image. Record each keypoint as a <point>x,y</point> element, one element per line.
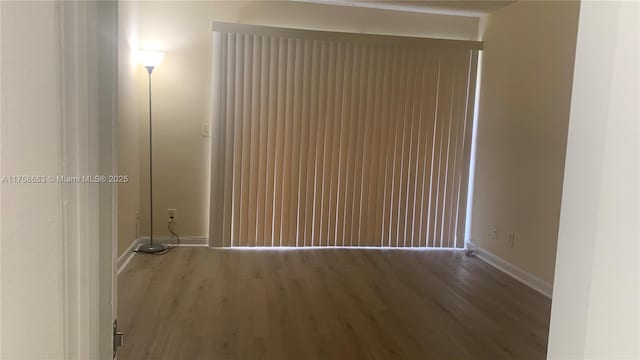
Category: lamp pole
<point>151,248</point>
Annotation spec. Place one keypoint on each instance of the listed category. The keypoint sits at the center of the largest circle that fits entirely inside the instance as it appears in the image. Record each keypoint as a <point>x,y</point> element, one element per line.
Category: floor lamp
<point>151,59</point>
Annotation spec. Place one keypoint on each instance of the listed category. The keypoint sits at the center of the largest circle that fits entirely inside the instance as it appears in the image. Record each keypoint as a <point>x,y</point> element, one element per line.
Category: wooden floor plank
<point>201,303</point>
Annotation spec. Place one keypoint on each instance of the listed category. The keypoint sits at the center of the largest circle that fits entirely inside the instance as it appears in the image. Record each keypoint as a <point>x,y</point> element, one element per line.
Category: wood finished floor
<point>200,303</point>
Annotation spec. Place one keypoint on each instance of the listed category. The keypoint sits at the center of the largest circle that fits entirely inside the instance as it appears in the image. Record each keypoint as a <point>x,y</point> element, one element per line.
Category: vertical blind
<point>324,140</point>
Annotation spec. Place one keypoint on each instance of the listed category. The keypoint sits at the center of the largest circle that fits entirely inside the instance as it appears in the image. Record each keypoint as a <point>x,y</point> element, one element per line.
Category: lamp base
<point>152,248</point>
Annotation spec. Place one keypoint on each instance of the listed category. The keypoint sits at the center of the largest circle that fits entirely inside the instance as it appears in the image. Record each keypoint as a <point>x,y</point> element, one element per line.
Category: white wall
<point>596,306</point>
<point>30,262</point>
<point>182,94</point>
<point>523,112</point>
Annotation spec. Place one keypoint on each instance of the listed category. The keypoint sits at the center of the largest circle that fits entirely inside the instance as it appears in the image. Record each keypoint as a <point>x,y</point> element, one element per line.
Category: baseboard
<point>532,281</point>
<point>127,255</point>
<point>184,240</point>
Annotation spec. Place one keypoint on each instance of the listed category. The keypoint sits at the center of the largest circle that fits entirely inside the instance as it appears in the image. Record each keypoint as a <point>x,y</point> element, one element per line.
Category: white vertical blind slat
<point>383,144</point>
<point>254,139</point>
<point>226,111</point>
<point>263,142</point>
<point>288,137</point>
<point>294,207</point>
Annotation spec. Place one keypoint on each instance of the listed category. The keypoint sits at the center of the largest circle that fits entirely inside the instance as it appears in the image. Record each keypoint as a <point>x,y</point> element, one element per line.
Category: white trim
<point>187,241</point>
<point>184,240</point>
<point>532,281</point>
<point>87,109</point>
<point>79,204</point>
<point>127,255</point>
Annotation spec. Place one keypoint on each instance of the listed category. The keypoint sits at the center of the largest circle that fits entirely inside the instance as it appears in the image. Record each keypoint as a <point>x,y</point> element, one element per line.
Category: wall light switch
<point>205,131</point>
<point>494,232</point>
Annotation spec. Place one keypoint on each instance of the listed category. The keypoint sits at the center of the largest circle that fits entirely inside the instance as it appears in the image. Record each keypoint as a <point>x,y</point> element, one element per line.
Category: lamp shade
<point>150,58</point>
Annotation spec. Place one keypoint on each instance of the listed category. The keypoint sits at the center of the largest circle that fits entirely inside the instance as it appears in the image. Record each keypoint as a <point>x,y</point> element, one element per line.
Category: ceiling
<point>451,7</point>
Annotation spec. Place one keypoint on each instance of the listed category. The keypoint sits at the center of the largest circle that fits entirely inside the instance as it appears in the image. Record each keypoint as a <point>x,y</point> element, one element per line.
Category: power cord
<point>170,227</point>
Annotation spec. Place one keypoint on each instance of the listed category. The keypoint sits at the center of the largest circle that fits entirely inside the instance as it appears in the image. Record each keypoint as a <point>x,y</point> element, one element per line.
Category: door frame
<point>87,33</point>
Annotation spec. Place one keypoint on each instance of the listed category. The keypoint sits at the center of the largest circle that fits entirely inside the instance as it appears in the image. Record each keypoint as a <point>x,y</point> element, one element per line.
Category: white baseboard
<point>127,255</point>
<point>184,240</point>
<point>532,281</point>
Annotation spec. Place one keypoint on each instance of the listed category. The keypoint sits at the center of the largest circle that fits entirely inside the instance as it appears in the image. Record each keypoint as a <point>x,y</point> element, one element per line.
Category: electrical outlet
<point>172,214</point>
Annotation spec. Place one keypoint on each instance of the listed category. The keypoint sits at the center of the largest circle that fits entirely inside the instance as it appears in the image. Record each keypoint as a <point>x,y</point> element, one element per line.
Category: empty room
<point>320,179</point>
